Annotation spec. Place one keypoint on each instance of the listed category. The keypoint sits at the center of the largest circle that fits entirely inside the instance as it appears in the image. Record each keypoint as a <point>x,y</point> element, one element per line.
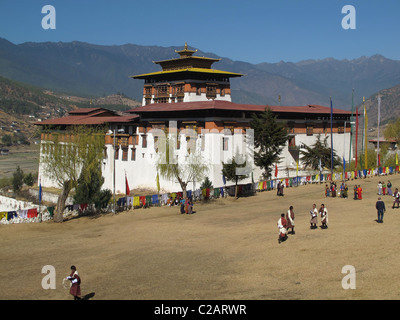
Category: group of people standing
<point>286,222</point>
<point>385,189</point>
<point>279,189</point>
<point>357,192</point>
<point>323,212</point>
<point>186,206</point>
<point>331,191</point>
<point>380,204</point>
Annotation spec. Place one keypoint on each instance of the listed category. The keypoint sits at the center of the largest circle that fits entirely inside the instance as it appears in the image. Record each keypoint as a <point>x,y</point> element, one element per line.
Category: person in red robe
<point>359,192</point>
<point>75,289</point>
<point>282,226</point>
<point>290,220</point>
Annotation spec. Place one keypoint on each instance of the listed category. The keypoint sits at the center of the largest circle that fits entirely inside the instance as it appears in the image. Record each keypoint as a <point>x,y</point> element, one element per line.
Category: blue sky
<point>253,31</point>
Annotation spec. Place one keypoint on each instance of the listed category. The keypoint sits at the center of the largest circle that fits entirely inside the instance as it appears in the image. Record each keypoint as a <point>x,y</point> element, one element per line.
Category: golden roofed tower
<point>186,79</point>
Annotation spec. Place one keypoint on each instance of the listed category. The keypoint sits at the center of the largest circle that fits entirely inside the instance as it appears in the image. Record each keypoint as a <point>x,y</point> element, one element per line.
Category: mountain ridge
<point>85,69</point>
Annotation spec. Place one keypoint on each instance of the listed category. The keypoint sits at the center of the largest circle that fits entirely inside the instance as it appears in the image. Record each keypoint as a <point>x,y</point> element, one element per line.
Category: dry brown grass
<point>228,249</point>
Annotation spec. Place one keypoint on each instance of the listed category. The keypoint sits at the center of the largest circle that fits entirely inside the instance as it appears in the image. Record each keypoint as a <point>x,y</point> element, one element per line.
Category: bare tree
<point>184,168</point>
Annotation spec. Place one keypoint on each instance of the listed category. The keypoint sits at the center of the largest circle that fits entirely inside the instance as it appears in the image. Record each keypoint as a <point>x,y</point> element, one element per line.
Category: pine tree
<point>231,172</point>
<point>270,136</point>
<point>319,151</point>
<point>18,179</point>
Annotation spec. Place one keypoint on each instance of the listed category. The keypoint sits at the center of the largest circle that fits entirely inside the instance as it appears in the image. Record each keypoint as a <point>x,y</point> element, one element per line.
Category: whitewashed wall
<point>142,173</point>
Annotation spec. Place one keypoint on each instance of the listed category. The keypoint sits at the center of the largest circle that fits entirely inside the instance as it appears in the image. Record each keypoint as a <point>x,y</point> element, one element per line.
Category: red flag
<point>127,190</point>
<point>276,169</point>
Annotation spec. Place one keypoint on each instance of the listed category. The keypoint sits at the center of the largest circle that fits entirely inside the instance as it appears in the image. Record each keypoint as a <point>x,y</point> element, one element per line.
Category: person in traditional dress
<point>278,188</point>
<point>182,206</point>
<point>282,186</point>
<point>359,192</point>
<point>342,190</point>
<point>327,191</point>
<point>389,188</point>
<point>190,206</point>
<point>383,188</point>
<point>75,289</point>
<point>379,188</point>
<point>380,207</point>
<point>333,186</point>
<point>396,196</point>
<point>314,217</point>
<point>282,226</point>
<point>355,192</point>
<point>345,191</point>
<point>323,212</point>
<point>290,220</point>
<point>187,204</point>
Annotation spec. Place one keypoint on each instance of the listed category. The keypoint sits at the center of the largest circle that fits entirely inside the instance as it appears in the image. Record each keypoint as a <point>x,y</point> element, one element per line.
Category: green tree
<point>270,136</point>
<point>88,189</point>
<point>234,170</point>
<point>18,179</point>
<point>392,130</point>
<point>72,155</point>
<point>206,184</point>
<point>28,179</point>
<point>319,151</point>
<point>6,140</point>
<point>102,199</point>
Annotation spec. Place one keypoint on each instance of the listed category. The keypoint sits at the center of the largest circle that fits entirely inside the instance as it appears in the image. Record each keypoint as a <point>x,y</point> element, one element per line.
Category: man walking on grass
<point>380,207</point>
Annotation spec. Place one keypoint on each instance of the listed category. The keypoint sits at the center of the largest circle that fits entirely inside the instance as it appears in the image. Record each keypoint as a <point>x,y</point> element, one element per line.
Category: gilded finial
<point>185,52</point>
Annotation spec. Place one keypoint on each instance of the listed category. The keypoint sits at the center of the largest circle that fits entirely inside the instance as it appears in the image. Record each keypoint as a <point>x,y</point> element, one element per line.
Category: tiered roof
<point>186,64</point>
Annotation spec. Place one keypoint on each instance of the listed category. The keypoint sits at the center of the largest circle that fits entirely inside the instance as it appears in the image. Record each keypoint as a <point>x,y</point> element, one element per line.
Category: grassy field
<point>27,157</point>
<point>227,249</point>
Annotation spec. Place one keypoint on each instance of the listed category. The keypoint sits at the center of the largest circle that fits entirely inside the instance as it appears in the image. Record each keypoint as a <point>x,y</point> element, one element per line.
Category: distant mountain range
<point>90,70</point>
<point>21,105</point>
<point>389,109</point>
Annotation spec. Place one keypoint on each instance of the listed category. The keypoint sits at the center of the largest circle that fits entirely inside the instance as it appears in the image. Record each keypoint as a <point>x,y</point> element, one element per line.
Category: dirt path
<point>228,249</point>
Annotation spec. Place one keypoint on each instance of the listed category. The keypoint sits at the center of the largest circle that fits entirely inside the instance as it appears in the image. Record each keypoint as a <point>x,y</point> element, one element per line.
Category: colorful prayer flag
<point>355,168</point>
<point>365,135</point>
<point>331,137</point>
<point>127,190</point>
<point>40,191</point>
<point>158,182</point>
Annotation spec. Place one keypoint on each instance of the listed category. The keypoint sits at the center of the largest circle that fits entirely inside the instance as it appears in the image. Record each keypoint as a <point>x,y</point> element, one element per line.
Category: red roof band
<point>227,105</point>
<point>93,116</point>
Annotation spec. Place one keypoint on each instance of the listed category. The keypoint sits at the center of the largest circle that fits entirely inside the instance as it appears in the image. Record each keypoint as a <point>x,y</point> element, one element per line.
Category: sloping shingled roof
<point>227,105</point>
<point>96,116</point>
<point>89,116</point>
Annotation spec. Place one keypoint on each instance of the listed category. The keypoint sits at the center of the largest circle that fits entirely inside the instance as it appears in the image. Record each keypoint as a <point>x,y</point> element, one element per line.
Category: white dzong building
<point>187,95</point>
